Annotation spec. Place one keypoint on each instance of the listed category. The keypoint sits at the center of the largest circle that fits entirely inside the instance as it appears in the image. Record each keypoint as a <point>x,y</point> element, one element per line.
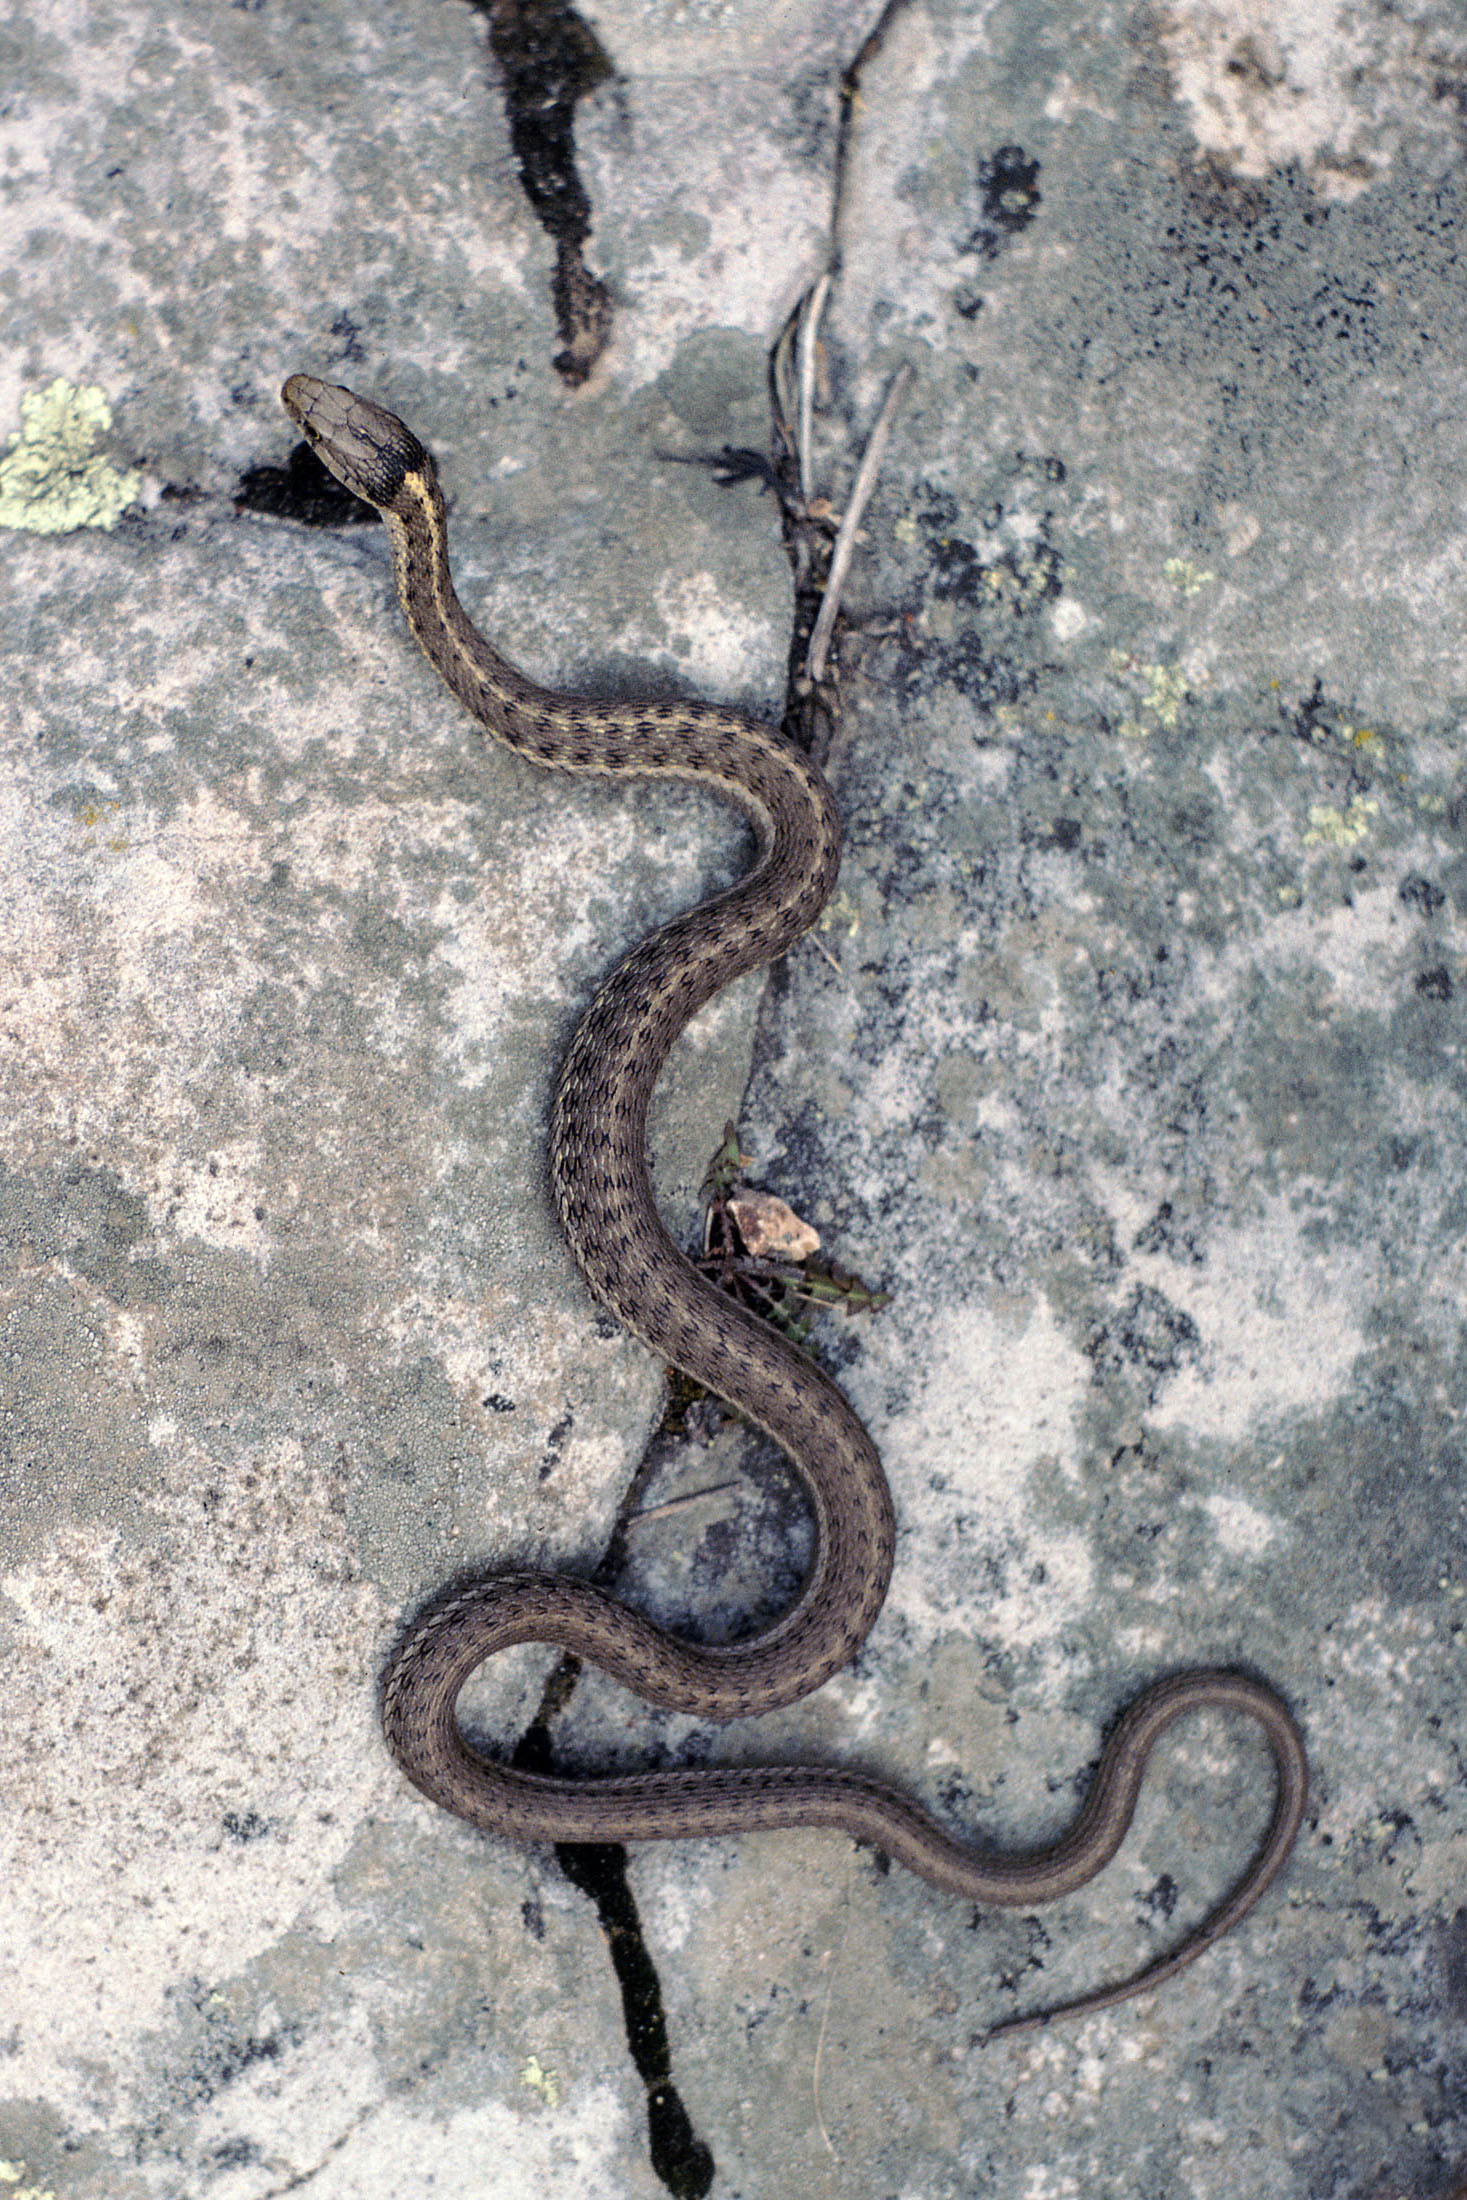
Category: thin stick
<point>845,541</point>
<point>810,313</point>
<point>828,1964</point>
<point>677,1504</point>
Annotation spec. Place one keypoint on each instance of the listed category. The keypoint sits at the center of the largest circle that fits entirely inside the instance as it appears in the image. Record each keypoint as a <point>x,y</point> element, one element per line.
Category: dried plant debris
<point>763,1254</point>
<point>770,1228</point>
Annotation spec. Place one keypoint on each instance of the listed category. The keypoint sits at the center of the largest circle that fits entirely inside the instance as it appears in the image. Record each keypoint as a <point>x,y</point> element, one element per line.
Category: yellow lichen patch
<point>91,815</point>
<point>1166,691</point>
<point>539,2080</point>
<point>53,477</point>
<point>1190,578</point>
<point>1020,581</point>
<point>1332,828</point>
<point>1163,688</point>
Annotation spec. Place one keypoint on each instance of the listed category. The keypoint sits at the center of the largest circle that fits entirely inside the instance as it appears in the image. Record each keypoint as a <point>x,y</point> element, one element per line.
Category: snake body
<point>599,1172</point>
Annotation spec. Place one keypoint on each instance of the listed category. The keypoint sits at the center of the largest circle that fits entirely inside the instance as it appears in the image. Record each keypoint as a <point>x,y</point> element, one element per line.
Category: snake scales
<point>598,1166</point>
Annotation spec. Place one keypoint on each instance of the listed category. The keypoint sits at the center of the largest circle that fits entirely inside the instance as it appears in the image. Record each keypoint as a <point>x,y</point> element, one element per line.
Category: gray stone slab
<point>1129,1059</point>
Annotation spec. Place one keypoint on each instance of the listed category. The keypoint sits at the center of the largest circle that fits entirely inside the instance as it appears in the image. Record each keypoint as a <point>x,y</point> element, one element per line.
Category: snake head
<point>365,446</point>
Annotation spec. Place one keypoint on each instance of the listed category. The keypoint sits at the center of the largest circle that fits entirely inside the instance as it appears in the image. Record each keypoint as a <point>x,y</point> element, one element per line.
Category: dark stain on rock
<point>551,58</point>
<point>679,2158</point>
<point>303,490</point>
<point>1010,187</point>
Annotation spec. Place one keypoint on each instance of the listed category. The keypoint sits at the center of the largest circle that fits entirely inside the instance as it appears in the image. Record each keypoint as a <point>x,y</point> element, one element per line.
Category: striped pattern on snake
<point>599,1171</point>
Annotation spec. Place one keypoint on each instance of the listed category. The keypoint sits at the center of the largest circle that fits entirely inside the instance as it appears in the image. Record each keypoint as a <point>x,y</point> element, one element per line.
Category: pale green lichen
<point>539,2080</point>
<point>840,914</point>
<point>1190,578</point>
<point>1021,580</point>
<point>1331,828</point>
<point>1164,689</point>
<point>53,477</point>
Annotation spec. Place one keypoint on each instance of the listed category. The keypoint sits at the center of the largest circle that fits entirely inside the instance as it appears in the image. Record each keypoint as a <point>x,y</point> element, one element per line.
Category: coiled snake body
<point>598,1165</point>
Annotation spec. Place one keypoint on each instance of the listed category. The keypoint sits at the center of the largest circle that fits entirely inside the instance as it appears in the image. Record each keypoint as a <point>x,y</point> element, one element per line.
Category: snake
<point>599,1174</point>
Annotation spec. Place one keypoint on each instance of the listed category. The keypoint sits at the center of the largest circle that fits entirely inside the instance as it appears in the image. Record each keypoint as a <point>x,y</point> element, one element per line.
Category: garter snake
<point>598,1169</point>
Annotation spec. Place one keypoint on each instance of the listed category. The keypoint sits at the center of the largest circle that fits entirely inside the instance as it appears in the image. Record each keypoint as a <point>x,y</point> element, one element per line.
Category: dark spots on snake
<point>496,1402</point>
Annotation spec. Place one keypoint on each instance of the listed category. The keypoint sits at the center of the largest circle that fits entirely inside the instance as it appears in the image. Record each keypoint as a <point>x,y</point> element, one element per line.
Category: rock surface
<point>1129,1059</point>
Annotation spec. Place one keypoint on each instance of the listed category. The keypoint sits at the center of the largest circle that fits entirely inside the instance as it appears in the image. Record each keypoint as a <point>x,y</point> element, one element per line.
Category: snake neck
<point>746,763</point>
